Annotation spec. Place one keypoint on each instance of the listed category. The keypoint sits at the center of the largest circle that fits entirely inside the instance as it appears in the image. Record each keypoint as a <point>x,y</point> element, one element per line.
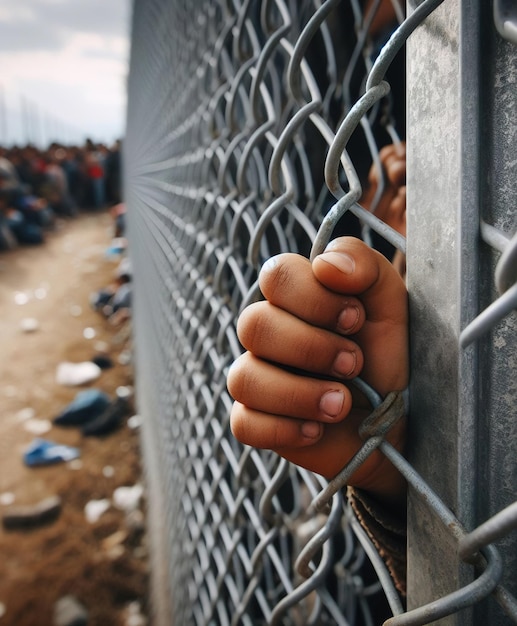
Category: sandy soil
<point>104,564</point>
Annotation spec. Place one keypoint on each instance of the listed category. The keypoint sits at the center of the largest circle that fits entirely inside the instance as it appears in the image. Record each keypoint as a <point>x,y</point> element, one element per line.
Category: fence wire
<point>252,126</point>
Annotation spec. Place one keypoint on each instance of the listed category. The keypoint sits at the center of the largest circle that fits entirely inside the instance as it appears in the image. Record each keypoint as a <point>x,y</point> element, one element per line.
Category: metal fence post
<point>462,100</point>
<point>239,111</point>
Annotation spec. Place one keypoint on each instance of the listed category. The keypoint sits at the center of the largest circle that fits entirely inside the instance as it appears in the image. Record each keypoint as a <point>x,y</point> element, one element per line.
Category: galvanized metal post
<point>462,100</point>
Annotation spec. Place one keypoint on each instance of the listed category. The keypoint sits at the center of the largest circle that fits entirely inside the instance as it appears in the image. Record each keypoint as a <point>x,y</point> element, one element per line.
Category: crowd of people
<point>36,186</point>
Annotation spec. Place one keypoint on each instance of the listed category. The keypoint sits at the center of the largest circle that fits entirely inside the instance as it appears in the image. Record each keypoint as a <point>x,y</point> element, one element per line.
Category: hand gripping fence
<point>252,126</point>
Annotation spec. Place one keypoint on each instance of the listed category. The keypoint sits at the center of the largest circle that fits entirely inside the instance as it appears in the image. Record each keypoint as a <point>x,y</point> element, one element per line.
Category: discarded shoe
<point>107,421</point>
<point>46,452</point>
<point>29,516</point>
<point>86,406</point>
<point>103,361</point>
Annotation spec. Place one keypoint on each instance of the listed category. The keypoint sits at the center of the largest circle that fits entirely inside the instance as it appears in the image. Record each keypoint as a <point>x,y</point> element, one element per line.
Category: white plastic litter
<point>71,374</point>
<point>124,358</point>
<point>101,346</point>
<point>124,391</point>
<point>95,508</point>
<point>10,391</point>
<point>128,498</point>
<point>7,498</point>
<point>21,297</point>
<point>89,333</point>
<point>29,324</point>
<point>25,414</point>
<point>135,421</point>
<point>134,615</point>
<point>108,471</point>
<point>40,293</point>
<point>37,426</point>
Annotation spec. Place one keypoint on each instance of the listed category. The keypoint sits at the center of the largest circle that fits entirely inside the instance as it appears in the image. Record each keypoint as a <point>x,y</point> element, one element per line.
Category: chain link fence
<point>252,126</point>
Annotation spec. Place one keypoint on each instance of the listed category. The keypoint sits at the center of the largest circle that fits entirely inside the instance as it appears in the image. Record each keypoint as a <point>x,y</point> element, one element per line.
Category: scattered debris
<point>25,414</point>
<point>101,346</point>
<point>68,611</point>
<point>118,246</point>
<point>89,333</point>
<point>29,324</point>
<point>20,297</point>
<point>37,426</point>
<point>86,406</point>
<point>103,361</point>
<point>135,521</point>
<point>29,516</point>
<point>76,464</point>
<point>46,452</point>
<point>40,293</point>
<point>128,498</point>
<point>108,421</point>
<point>10,391</point>
<point>124,358</point>
<point>108,471</point>
<point>7,498</point>
<point>135,421</point>
<point>114,540</point>
<point>75,310</point>
<point>95,508</point>
<point>72,374</point>
<point>134,615</point>
<point>124,391</point>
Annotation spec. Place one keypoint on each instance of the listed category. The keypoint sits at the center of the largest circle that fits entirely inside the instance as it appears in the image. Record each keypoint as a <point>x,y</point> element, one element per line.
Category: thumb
<point>348,266</point>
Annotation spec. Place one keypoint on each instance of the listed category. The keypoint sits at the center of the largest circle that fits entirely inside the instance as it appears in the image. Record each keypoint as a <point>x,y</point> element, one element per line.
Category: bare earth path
<point>102,564</point>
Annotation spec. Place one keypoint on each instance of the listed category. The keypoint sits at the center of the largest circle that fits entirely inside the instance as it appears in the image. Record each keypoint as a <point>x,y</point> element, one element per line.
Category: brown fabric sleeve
<point>387,531</point>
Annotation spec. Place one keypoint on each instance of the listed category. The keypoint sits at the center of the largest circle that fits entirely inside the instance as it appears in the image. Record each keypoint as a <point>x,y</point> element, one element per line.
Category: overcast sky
<point>63,69</point>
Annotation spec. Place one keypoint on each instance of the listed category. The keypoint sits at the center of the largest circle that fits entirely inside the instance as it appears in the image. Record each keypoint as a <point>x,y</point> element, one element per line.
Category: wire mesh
<point>252,126</point>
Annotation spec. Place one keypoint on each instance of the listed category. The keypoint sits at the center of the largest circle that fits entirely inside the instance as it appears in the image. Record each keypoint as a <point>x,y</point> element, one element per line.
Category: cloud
<point>49,24</point>
<point>20,30</point>
<point>102,17</point>
<point>68,59</point>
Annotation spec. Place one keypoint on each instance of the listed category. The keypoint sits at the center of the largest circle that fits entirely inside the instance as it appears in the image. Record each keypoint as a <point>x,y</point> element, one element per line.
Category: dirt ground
<point>102,564</point>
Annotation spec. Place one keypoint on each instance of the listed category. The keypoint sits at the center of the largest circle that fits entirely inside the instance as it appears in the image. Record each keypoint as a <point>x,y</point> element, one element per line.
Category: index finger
<point>288,281</point>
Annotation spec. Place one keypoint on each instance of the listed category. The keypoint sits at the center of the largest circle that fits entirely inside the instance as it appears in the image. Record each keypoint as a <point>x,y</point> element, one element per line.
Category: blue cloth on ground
<point>46,452</point>
<point>86,406</point>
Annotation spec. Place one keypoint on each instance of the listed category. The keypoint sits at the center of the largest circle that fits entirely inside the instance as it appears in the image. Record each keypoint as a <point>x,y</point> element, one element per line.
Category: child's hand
<point>321,325</point>
<point>391,207</point>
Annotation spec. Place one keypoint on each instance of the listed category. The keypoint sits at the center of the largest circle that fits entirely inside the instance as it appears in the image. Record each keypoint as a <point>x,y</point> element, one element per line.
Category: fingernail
<point>341,261</point>
<point>270,264</point>
<point>345,363</point>
<point>331,403</point>
<point>348,318</point>
<point>311,430</point>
